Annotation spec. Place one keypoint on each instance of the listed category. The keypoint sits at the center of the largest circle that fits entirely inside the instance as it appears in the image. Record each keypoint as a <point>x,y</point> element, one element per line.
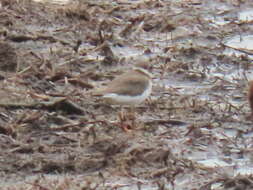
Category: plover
<point>130,88</point>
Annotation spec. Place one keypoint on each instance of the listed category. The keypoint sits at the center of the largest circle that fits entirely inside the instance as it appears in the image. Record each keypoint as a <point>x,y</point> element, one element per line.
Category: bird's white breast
<point>129,100</point>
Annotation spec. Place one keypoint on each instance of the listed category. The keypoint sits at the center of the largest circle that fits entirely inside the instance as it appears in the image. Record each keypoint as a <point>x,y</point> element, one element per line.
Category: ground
<point>194,133</point>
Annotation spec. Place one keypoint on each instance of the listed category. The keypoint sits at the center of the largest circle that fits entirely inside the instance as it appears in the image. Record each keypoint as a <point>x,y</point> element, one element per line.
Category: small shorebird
<point>130,88</point>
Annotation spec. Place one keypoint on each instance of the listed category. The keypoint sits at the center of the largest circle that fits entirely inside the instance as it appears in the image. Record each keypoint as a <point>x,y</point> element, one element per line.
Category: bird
<point>131,88</point>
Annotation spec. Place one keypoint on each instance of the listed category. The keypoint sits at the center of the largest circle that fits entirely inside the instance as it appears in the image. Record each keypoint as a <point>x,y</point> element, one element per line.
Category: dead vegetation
<point>194,133</point>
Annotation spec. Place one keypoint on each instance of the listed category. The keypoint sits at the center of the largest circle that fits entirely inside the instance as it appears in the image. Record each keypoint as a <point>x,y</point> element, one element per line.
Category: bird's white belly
<point>114,98</point>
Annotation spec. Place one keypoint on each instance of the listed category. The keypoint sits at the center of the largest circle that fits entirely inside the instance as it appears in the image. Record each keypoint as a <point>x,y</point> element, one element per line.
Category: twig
<point>165,122</point>
<point>239,49</point>
<point>54,103</point>
<point>68,126</point>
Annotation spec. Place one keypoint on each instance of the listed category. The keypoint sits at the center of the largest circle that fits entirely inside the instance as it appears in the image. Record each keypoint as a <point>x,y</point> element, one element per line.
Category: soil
<point>194,133</point>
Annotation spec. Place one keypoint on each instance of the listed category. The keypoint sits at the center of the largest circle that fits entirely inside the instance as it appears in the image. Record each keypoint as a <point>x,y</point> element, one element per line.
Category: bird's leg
<point>123,119</point>
<point>133,116</point>
<point>127,121</point>
<point>132,113</point>
<point>122,115</point>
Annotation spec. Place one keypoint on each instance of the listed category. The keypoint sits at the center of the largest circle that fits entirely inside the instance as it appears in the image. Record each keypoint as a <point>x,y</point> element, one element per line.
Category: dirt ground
<point>193,134</point>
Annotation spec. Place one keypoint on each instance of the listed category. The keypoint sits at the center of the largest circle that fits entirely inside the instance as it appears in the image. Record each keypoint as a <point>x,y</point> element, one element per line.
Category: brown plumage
<point>130,83</point>
<point>132,87</point>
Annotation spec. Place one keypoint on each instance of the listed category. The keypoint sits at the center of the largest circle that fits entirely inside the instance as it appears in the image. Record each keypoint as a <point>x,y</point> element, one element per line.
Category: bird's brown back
<point>131,83</point>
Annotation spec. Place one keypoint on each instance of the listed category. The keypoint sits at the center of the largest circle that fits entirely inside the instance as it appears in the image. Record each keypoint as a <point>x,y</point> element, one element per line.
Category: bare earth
<point>193,134</point>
